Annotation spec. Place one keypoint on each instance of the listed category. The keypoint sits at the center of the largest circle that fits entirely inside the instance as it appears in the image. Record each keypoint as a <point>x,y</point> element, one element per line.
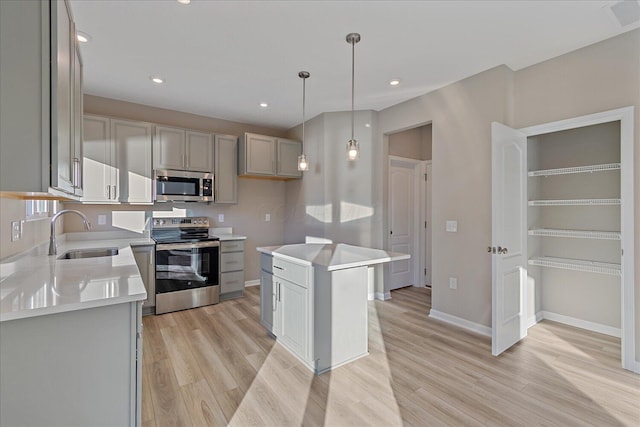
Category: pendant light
<point>353,150</point>
<point>303,162</point>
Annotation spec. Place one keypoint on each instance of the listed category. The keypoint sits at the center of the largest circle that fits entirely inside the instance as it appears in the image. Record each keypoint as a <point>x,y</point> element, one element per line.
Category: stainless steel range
<point>186,264</point>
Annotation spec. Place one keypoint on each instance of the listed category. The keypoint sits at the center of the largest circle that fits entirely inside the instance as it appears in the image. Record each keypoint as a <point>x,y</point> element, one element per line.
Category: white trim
<point>460,322</point>
<point>249,283</point>
<point>531,321</point>
<point>636,367</point>
<point>584,324</point>
<point>379,296</point>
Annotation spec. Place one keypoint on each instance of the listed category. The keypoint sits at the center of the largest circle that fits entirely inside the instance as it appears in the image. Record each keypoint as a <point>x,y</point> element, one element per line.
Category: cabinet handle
<point>278,267</point>
<point>76,172</point>
<point>109,192</point>
<point>274,296</point>
<point>279,293</point>
<point>115,192</point>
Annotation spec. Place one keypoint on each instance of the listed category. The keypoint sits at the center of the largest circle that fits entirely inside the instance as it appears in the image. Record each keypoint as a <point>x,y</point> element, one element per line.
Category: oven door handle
<point>190,245</point>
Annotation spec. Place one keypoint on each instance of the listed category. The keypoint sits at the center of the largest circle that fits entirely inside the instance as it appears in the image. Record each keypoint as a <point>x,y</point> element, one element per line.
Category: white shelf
<point>576,234</point>
<point>575,202</point>
<point>577,265</point>
<point>575,169</point>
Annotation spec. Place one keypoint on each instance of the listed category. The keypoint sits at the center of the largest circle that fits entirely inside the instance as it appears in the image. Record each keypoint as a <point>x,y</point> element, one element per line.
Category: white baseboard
<point>252,283</point>
<point>379,296</point>
<point>636,367</point>
<point>460,322</point>
<point>531,321</point>
<point>584,324</point>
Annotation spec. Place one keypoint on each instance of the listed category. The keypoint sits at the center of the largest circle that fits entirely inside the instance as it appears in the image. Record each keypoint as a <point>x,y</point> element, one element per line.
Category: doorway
<point>563,235</point>
<point>409,206</point>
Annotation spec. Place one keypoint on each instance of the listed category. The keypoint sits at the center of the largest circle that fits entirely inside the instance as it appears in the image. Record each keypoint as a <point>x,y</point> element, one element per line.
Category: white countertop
<point>225,233</point>
<point>35,284</point>
<point>336,256</point>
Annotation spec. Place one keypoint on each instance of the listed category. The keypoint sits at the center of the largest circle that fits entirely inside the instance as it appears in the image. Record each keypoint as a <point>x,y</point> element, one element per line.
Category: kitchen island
<point>70,336</point>
<point>314,299</point>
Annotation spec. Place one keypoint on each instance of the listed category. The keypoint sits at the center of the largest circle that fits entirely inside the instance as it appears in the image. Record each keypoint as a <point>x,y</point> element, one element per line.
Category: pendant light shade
<point>353,149</point>
<point>303,162</point>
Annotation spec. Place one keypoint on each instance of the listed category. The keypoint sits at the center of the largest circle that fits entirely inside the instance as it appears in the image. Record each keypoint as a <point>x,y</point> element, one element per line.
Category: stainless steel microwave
<point>182,186</point>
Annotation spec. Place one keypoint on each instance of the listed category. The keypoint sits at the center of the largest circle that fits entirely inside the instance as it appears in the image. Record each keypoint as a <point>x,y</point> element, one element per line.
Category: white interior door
<point>402,204</point>
<point>509,225</point>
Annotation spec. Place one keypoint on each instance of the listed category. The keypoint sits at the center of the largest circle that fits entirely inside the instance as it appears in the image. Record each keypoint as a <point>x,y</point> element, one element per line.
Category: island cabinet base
<point>340,321</point>
<point>78,368</point>
<point>320,316</point>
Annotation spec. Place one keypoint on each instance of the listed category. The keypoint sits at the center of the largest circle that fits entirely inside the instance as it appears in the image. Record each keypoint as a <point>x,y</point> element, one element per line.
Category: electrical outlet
<point>267,217</point>
<point>453,283</point>
<point>220,217</point>
<point>452,226</point>
<point>16,232</point>
<point>102,219</point>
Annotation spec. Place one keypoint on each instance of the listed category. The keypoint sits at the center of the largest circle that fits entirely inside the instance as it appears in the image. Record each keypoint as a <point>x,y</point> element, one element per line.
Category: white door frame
<point>417,215</point>
<point>625,116</point>
<point>425,223</point>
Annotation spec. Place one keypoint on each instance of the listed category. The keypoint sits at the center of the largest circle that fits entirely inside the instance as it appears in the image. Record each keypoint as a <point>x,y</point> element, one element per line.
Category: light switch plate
<point>453,283</point>
<point>102,219</point>
<point>220,217</point>
<point>452,226</point>
<point>15,231</point>
<point>267,217</point>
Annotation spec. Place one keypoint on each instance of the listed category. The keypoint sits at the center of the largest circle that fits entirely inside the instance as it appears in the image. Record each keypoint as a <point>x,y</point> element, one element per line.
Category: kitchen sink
<point>89,253</point>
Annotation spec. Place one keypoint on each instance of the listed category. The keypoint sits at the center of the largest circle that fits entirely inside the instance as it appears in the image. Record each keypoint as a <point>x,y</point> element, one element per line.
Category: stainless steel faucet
<point>52,239</point>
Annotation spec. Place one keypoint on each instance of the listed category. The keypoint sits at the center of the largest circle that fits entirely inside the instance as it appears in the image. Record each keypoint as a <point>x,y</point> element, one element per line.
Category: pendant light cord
<point>353,66</point>
<point>304,95</point>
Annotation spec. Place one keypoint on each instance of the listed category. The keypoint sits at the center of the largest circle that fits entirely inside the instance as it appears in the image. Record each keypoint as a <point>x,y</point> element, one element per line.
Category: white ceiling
<point>221,58</point>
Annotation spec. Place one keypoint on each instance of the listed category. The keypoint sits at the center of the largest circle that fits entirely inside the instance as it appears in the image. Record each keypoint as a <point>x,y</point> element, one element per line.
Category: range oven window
<point>180,267</point>
<point>177,186</point>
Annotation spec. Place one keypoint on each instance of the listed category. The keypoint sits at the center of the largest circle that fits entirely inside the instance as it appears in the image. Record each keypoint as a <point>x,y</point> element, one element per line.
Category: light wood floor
<point>216,365</point>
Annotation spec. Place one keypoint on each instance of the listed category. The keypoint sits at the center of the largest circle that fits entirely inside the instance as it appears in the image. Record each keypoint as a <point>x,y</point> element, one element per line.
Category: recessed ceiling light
<point>82,37</point>
<point>264,105</point>
<point>184,1</point>
<point>394,82</point>
<point>157,79</point>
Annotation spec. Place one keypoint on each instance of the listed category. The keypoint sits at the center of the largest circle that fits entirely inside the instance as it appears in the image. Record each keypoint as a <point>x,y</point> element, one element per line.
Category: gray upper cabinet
<point>287,163</point>
<point>268,156</point>
<point>226,169</point>
<point>117,161</point>
<point>40,99</point>
<point>181,149</point>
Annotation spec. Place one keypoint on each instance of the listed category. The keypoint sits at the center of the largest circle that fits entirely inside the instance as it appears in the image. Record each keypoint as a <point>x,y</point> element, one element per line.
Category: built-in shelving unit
<point>576,169</point>
<point>575,202</point>
<point>577,265</point>
<point>576,234</point>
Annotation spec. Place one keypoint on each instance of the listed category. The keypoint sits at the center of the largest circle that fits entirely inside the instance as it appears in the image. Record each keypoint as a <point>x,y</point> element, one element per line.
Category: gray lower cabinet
<point>231,269</point>
<point>145,256</point>
<point>78,368</point>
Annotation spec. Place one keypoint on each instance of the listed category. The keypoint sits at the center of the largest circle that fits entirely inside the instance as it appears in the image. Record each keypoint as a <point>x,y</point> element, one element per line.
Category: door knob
<point>502,250</point>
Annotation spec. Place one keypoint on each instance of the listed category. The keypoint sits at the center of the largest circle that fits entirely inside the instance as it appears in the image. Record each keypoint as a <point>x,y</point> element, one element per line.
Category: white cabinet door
<point>62,98</point>
<point>287,164</point>
<point>226,169</point>
<point>267,300</point>
<point>294,316</point>
<point>97,159</point>
<point>509,234</point>
<point>169,148</point>
<point>199,152</point>
<point>133,147</point>
<point>76,167</point>
<point>260,154</point>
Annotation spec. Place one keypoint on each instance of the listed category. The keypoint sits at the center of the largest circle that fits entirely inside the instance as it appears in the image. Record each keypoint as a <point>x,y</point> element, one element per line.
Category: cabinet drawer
<point>232,246</point>
<point>231,282</point>
<point>233,261</point>
<point>290,271</point>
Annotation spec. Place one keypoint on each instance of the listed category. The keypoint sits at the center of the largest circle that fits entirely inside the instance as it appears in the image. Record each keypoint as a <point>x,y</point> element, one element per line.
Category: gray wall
<point>461,116</point>
<point>412,143</point>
